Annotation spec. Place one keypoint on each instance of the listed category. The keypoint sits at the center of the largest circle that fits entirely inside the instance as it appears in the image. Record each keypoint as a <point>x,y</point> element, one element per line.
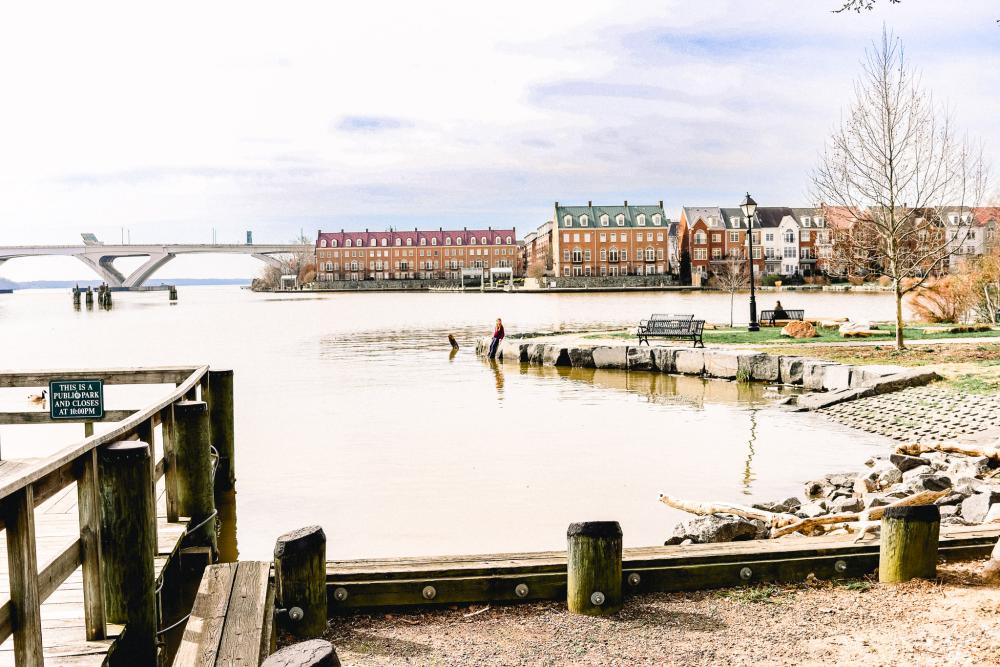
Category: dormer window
<point>458,241</point>
<point>641,220</point>
<point>358,242</point>
<point>620,220</point>
<point>447,240</point>
<point>409,241</point>
<point>373,243</point>
<point>322,244</point>
<point>434,241</point>
<point>508,240</point>
<point>483,240</point>
<point>348,243</point>
<point>568,220</point>
<point>657,219</point>
<point>385,242</point>
<point>605,220</point>
<point>423,241</point>
<point>584,220</point>
<point>819,222</point>
<point>806,221</point>
<point>472,240</point>
<point>333,243</point>
<point>399,242</point>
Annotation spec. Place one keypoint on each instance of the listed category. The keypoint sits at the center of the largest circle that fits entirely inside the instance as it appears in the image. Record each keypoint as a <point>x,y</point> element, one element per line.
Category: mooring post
<point>908,546</point>
<point>76,295</point>
<point>594,568</point>
<point>128,547</point>
<point>300,580</point>
<point>172,293</point>
<point>220,408</point>
<point>312,653</point>
<point>454,343</point>
<point>195,491</point>
<point>90,297</point>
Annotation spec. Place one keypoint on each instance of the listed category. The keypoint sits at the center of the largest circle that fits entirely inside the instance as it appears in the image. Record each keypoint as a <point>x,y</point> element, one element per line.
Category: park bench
<point>232,618</point>
<point>683,327</point>
<point>767,316</point>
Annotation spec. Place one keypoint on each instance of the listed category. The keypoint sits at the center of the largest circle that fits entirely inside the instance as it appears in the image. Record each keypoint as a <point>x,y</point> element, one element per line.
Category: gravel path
<point>953,622</point>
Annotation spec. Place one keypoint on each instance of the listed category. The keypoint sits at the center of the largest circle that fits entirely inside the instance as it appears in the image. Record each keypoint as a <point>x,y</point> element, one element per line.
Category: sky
<point>179,121</point>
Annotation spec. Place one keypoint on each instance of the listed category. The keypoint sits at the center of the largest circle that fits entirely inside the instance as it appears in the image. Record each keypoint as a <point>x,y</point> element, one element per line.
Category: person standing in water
<point>497,337</point>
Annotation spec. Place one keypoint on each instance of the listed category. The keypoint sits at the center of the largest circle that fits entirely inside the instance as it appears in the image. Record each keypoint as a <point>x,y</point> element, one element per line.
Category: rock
<point>837,377</point>
<point>955,521</point>
<point>686,543</point>
<point>875,500</point>
<point>811,511</point>
<point>555,355</point>
<point>861,326</point>
<point>993,514</point>
<point>612,357</point>
<point>874,460</point>
<point>799,329</point>
<point>844,479</point>
<point>788,505</point>
<point>975,507</point>
<point>953,499</point>
<point>819,488</point>
<point>950,510</point>
<point>905,462</point>
<point>536,353</point>
<point>968,486</point>
<point>721,364</point>
<point>311,653</point>
<point>847,504</point>
<point>581,357</point>
<point>972,467</point>
<point>689,361</point>
<point>639,359</point>
<point>791,370</point>
<point>930,482</point>
<point>889,476</point>
<point>663,359</point>
<point>864,484</point>
<point>913,473</point>
<point>812,373</point>
<point>714,528</point>
<point>761,367</point>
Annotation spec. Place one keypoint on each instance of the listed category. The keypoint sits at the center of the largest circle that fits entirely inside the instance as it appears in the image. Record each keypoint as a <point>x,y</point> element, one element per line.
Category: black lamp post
<point>749,208</point>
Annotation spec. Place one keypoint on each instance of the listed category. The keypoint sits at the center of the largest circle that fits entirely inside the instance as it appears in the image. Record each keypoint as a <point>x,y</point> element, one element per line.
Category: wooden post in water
<point>128,547</point>
<point>192,452</point>
<point>173,293</point>
<point>76,296</point>
<point>908,545</point>
<point>454,343</point>
<point>90,298</point>
<point>594,568</point>
<point>300,579</point>
<point>220,408</point>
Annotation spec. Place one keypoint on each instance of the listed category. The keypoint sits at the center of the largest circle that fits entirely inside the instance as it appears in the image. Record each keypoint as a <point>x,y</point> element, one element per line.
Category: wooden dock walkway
<point>57,526</point>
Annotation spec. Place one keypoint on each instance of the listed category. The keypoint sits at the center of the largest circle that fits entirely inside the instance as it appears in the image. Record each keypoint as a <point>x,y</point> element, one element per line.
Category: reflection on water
<point>353,412</point>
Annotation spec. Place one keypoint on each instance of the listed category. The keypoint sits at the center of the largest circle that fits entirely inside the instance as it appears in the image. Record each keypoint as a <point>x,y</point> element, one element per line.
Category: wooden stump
<point>300,579</point>
<point>128,546</point>
<point>594,568</point>
<point>454,343</point>
<point>313,653</point>
<point>195,489</point>
<point>909,543</point>
<point>220,409</point>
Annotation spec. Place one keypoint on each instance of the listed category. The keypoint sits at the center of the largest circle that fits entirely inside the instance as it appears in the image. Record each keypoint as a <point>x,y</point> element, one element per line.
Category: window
<point>333,243</point>
<point>716,253</point>
<point>659,255</point>
<point>409,241</point>
<point>769,237</point>
<point>434,241</point>
<point>755,238</point>
<point>701,253</point>
<point>659,237</point>
<point>423,241</point>
<point>735,221</point>
<point>789,236</point>
<point>482,241</point>
<point>565,255</point>
<point>565,270</point>
<point>322,244</point>
<point>584,220</point>
<point>756,253</point>
<point>613,255</point>
<point>734,237</point>
<point>806,235</point>
<point>373,242</point>
<point>577,255</point>
<point>604,220</point>
<point>620,220</point>
<point>576,238</point>
<point>329,266</point>
<point>348,243</point>
<point>567,220</point>
<point>508,240</point>
<point>789,252</point>
<point>818,221</point>
<point>447,240</point>
<point>806,221</point>
<point>586,255</point>
<point>649,236</point>
<point>656,219</point>
<point>624,255</point>
<point>614,237</point>
<point>716,238</point>
<point>700,237</point>
<point>604,254</point>
<point>650,255</point>
<point>641,220</point>
<point>586,238</point>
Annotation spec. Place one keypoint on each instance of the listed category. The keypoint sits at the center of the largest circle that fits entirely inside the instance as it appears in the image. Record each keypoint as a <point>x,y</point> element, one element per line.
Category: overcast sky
<point>175,120</point>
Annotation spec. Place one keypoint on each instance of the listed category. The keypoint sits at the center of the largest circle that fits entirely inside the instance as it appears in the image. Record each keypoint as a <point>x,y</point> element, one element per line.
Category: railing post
<point>128,547</point>
<point>195,495</point>
<point>594,568</point>
<point>220,407</point>
<point>19,515</point>
<point>300,579</point>
<point>89,505</point>
<point>169,462</point>
<point>908,545</point>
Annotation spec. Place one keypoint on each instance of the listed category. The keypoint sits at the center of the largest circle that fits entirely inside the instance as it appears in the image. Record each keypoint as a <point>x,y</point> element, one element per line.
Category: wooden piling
<point>88,492</point>
<point>312,653</point>
<point>908,546</point>
<point>454,343</point>
<point>128,547</point>
<point>195,491</point>
<point>89,297</point>
<point>220,408</point>
<point>172,293</point>
<point>22,562</point>
<point>300,579</point>
<point>594,568</point>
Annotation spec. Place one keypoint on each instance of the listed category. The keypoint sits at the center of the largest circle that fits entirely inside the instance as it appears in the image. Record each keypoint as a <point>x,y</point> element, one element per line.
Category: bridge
<point>101,258</point>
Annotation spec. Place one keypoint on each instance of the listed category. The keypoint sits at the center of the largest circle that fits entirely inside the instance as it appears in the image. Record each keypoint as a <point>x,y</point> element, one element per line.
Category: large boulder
<point>791,369</point>
<point>930,482</point>
<point>905,462</point>
<point>722,364</point>
<point>715,528</point>
<point>581,357</point>
<point>639,359</point>
<point>976,507</point>
<point>788,505</point>
<point>663,359</point>
<point>837,377</point>
<point>512,351</point>
<point>536,353</point>
<point>555,355</point>
<point>761,367</point>
<point>613,357</point>
<point>689,361</point>
<point>813,371</point>
<point>797,329</point>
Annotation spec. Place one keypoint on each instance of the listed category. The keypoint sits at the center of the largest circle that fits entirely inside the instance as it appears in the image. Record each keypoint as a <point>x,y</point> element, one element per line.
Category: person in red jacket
<point>497,337</point>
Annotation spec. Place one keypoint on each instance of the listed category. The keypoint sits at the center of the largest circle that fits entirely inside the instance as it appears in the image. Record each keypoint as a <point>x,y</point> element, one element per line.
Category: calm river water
<point>351,413</point>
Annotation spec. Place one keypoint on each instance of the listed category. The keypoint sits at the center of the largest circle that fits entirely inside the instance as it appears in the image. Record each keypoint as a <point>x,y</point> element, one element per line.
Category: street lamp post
<point>749,208</point>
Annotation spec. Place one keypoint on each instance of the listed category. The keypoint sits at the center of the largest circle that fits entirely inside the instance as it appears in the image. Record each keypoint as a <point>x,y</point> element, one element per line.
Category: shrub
<point>948,299</point>
<point>769,279</point>
<point>856,280</point>
<point>885,281</point>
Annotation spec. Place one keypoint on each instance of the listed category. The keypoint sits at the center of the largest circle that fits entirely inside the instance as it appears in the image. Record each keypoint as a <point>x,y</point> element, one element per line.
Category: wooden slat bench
<point>232,618</point>
<point>767,317</point>
<point>683,327</point>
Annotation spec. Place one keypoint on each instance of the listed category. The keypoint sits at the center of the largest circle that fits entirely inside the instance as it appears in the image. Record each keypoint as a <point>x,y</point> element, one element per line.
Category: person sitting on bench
<point>779,312</point>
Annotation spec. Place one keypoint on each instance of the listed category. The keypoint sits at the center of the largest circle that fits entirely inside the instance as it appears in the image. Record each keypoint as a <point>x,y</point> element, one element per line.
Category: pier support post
<point>594,568</point>
<point>909,543</point>
<point>220,407</point>
<point>128,547</point>
<point>90,298</point>
<point>300,579</point>
<point>193,455</point>
<point>173,293</point>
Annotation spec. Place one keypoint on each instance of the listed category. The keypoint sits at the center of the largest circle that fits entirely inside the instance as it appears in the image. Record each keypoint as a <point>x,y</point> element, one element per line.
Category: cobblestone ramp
<point>921,414</point>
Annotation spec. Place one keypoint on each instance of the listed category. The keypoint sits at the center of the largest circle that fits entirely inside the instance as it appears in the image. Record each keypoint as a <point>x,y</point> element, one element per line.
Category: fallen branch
<point>916,449</point>
<point>872,514</point>
<point>772,519</point>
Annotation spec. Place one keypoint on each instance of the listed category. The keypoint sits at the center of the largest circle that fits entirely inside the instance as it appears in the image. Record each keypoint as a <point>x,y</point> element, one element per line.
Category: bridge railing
<point>26,484</point>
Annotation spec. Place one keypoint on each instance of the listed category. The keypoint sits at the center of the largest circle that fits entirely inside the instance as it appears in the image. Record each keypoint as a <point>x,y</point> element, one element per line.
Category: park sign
<point>76,399</point>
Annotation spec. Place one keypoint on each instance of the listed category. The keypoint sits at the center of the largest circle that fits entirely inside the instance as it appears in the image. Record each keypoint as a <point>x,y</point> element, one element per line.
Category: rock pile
<point>970,495</point>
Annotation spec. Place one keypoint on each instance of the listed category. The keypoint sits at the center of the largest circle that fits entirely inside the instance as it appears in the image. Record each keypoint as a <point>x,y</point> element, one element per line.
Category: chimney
<point>626,203</point>
<point>661,203</point>
<point>557,204</point>
<point>590,203</point>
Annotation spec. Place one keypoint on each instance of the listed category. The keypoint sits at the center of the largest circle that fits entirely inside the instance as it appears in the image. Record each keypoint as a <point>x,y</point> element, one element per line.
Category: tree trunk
<point>899,313</point>
<point>732,299</point>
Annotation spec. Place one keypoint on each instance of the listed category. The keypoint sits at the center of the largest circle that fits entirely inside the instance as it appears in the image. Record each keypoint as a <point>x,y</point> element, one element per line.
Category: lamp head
<point>749,206</point>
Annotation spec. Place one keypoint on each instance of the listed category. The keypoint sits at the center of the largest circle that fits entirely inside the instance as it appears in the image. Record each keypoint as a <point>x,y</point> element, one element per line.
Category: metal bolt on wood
<point>840,566</point>
<point>429,593</point>
<point>746,573</point>
<point>340,594</point>
<point>634,579</point>
<point>521,590</point>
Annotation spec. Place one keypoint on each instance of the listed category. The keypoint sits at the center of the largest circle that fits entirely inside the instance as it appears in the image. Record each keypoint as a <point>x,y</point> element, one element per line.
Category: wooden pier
<point>56,512</point>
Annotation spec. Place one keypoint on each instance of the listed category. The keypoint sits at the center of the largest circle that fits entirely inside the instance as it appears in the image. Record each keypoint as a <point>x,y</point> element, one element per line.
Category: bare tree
<point>732,276</point>
<point>901,177</point>
<point>858,5</point>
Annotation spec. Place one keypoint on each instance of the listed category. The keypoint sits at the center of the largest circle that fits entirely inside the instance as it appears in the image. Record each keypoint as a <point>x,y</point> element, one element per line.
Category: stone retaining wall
<point>657,280</point>
<point>830,382</point>
<point>376,285</point>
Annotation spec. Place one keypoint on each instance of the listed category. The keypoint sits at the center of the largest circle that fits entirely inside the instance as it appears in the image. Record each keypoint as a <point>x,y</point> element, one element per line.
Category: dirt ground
<point>954,621</point>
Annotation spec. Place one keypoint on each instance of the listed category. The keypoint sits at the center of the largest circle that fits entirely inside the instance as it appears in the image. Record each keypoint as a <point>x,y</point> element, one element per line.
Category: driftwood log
<point>772,519</point>
<point>916,449</point>
<point>869,515</point>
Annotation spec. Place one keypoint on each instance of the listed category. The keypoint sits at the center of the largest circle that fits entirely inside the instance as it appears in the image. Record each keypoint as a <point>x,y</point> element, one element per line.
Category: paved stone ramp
<point>925,414</point>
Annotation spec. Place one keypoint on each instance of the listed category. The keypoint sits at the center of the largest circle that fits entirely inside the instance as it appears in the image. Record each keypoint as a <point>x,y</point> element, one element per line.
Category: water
<point>352,413</point>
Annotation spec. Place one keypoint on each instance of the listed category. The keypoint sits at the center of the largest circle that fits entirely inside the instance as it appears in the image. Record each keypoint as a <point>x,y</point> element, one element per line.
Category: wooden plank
<point>203,630</point>
<point>144,375</point>
<point>167,432</point>
<point>22,561</point>
<point>245,619</point>
<point>39,417</point>
<point>57,570</point>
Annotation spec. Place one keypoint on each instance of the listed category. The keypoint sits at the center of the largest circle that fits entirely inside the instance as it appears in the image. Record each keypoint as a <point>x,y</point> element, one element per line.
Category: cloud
<point>370,124</point>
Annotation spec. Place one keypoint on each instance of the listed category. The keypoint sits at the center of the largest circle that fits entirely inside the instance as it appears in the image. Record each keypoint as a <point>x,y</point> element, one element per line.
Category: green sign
<point>76,399</point>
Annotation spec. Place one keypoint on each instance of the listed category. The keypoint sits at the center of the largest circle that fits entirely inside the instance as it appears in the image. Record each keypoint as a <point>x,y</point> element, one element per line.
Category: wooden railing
<point>101,465</point>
